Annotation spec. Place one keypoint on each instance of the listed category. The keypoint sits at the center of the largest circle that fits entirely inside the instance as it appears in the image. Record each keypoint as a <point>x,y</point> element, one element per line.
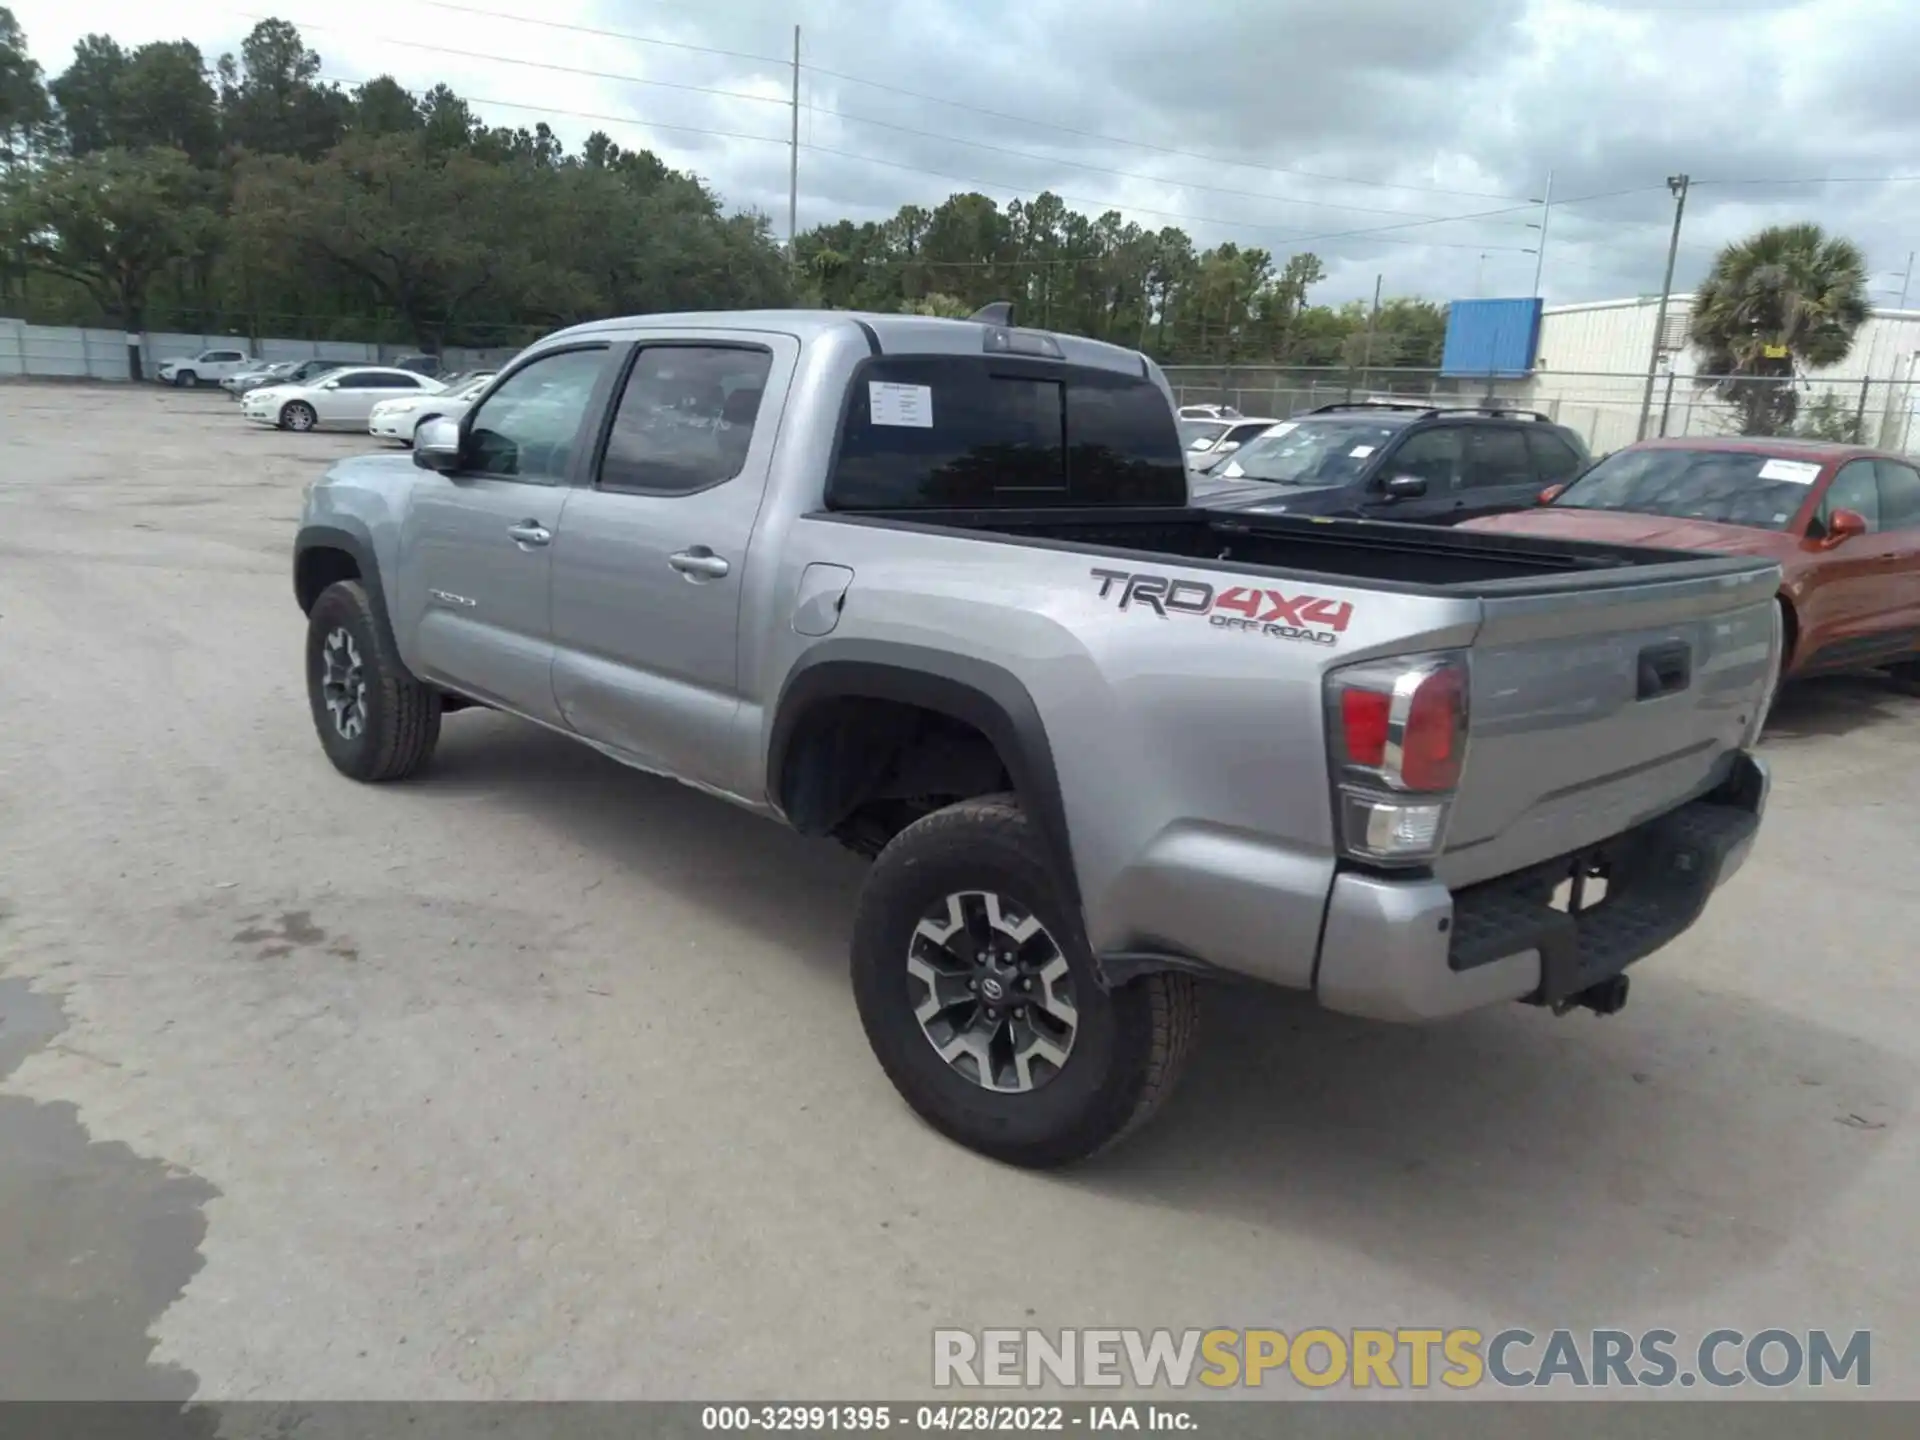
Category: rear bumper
<point>1411,950</point>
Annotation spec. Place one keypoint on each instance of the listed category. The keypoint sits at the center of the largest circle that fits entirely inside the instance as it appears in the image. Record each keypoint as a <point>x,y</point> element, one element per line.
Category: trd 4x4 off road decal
<point>1266,612</point>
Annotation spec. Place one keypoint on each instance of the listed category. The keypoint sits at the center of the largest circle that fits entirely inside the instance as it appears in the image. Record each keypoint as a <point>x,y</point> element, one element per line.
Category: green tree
<point>383,106</point>
<point>25,110</point>
<point>1787,299</point>
<point>272,101</point>
<point>113,222</point>
<point>88,94</point>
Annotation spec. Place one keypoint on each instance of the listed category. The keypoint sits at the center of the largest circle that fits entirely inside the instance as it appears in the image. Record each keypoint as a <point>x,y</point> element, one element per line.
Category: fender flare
<point>352,542</point>
<point>976,692</point>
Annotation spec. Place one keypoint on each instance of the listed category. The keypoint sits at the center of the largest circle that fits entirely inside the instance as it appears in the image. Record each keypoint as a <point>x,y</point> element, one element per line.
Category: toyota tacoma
<point>934,588</point>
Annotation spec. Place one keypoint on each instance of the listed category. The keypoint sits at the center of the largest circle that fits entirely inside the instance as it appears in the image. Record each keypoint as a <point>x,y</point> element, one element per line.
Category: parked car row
<point>390,402</point>
<point>1842,520</point>
<point>235,370</point>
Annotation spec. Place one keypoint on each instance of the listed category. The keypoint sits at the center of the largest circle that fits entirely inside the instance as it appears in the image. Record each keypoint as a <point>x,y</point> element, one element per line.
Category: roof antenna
<point>1000,312</point>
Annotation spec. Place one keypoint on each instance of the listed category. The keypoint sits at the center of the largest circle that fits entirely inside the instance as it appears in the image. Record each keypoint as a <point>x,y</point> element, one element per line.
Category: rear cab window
<point>955,431</point>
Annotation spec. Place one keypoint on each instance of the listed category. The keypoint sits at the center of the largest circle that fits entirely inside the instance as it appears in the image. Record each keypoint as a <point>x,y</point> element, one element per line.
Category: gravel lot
<point>541,1078</point>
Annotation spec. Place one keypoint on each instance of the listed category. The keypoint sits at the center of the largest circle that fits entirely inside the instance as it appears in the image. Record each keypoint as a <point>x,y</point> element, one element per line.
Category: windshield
<point>1310,452</point>
<point>1730,487</point>
<point>1200,434</point>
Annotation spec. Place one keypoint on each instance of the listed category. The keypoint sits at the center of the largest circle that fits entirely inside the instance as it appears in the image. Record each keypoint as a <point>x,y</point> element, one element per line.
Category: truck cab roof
<point>886,334</point>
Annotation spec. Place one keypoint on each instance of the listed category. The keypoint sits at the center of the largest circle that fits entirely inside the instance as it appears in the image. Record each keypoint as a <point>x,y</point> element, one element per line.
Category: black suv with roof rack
<point>1417,462</point>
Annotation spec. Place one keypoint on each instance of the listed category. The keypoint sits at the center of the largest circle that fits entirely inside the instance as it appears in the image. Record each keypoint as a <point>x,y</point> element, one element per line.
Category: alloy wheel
<point>343,684</point>
<point>993,992</point>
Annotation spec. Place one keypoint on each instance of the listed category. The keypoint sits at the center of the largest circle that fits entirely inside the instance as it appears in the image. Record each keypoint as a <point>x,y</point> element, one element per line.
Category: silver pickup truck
<point>933,588</point>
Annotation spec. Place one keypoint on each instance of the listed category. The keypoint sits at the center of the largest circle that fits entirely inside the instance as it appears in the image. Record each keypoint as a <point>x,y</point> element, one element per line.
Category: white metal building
<point>1590,374</point>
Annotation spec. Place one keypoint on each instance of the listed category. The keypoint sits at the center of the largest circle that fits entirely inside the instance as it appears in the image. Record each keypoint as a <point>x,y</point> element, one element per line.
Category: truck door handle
<point>530,532</point>
<point>698,563</point>
<point>1664,670</point>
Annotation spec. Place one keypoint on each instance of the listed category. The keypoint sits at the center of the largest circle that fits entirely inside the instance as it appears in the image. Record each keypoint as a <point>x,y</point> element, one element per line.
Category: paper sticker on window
<point>1794,472</point>
<point>1360,452</point>
<point>890,403</point>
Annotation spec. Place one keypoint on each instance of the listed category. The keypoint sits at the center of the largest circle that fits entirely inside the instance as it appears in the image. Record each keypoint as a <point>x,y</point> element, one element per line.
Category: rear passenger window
<point>954,431</point>
<point>1555,461</point>
<point>1899,495</point>
<point>1496,456</point>
<point>685,418</point>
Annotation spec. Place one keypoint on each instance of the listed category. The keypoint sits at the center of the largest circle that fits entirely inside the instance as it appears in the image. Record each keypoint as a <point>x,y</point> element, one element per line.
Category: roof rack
<point>1370,405</point>
<point>1504,412</point>
<point>1421,408</point>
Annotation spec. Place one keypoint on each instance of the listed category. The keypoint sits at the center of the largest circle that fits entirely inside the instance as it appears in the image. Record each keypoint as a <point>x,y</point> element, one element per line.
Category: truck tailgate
<point>1592,711</point>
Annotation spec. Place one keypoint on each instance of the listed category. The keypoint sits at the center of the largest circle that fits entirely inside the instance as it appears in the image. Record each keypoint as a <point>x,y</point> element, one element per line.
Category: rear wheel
<point>297,415</point>
<point>978,994</point>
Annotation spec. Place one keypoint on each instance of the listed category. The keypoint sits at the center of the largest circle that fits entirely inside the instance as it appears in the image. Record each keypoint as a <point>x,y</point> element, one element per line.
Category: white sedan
<point>341,400</point>
<point>399,418</point>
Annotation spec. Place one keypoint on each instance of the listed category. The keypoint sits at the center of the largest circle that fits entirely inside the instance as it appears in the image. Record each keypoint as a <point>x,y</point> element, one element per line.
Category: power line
<point>941,175</point>
<point>779,140</point>
<point>1819,180</point>
<point>603,34</point>
<point>1170,214</point>
<point>962,105</point>
<point>438,49</point>
<point>1123,174</point>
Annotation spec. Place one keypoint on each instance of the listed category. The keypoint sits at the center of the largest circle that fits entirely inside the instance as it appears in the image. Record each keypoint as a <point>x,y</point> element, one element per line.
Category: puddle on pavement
<point>95,1243</point>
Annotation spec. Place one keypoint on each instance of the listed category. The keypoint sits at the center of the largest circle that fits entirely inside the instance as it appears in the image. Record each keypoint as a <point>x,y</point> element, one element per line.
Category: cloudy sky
<point>1378,133</point>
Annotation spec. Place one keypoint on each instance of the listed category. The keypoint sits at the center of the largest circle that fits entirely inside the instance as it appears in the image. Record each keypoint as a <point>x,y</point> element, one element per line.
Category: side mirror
<point>329,384</point>
<point>436,445</point>
<point>1844,525</point>
<point>1404,487</point>
<point>1550,494</point>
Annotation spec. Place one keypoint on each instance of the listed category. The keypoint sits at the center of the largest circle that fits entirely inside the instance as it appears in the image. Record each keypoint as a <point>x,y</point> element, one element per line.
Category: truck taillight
<point>1397,736</point>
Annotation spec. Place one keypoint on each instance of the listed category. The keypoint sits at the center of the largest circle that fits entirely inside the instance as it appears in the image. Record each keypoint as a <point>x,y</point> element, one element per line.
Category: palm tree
<point>1786,299</point>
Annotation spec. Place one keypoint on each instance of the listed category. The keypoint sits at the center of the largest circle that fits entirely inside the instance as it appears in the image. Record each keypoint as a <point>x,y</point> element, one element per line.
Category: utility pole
<point>793,161</point>
<point>1678,185</point>
<point>1906,281</point>
<point>1546,214</point>
<point>1373,319</point>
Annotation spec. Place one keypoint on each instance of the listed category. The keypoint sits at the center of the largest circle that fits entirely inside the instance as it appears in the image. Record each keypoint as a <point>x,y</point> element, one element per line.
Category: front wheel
<point>375,721</point>
<point>186,379</point>
<point>297,415</point>
<point>978,994</point>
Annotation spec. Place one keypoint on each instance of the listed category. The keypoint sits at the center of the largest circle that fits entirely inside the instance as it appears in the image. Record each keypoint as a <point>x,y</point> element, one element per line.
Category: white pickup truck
<point>933,588</point>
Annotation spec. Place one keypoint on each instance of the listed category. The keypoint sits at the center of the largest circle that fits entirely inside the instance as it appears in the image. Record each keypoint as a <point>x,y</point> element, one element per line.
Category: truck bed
<point>1419,559</point>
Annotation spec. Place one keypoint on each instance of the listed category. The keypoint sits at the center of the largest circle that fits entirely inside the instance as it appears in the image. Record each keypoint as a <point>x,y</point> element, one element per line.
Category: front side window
<point>685,418</point>
<point>1727,487</point>
<point>1433,456</point>
<point>1311,452</point>
<point>525,429</point>
<point>1855,488</point>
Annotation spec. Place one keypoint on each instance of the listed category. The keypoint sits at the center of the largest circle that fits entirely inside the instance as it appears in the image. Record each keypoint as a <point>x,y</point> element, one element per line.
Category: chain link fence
<point>1604,408</point>
<point>70,352</point>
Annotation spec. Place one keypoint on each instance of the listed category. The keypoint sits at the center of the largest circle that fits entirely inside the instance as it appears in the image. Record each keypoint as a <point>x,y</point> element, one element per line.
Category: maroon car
<point>1842,520</point>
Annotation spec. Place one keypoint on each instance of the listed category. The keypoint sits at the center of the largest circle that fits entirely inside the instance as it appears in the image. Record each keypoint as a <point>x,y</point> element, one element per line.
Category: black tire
<point>186,379</point>
<point>298,415</point>
<point>1129,1046</point>
<point>399,717</point>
